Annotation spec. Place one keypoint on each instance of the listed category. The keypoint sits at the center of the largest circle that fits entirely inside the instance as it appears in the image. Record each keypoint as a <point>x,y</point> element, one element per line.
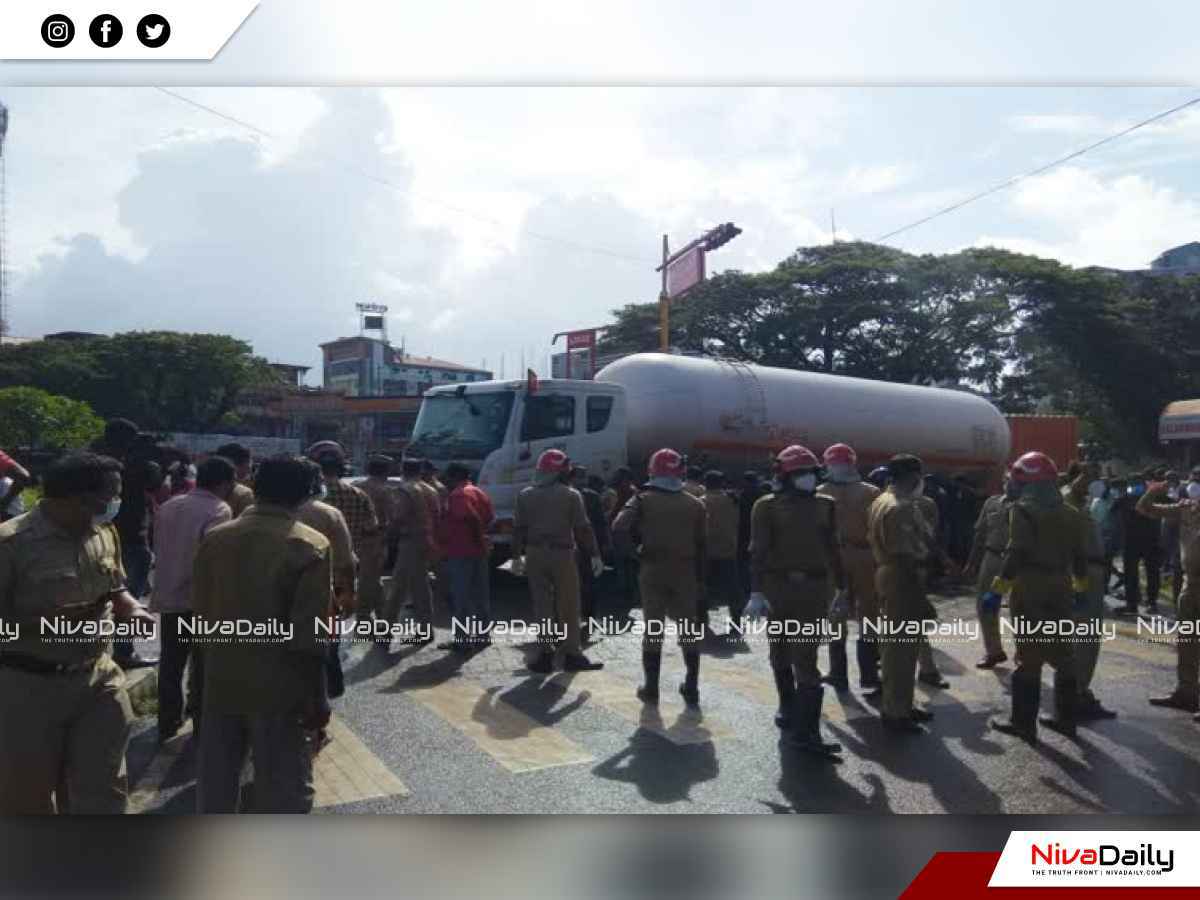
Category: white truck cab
<point>498,429</point>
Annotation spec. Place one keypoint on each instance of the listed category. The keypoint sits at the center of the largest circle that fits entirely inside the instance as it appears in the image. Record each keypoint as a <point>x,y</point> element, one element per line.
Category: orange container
<point>1056,436</point>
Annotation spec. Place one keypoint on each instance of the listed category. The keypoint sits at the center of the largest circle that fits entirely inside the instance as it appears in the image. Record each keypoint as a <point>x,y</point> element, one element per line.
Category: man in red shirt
<point>463,543</point>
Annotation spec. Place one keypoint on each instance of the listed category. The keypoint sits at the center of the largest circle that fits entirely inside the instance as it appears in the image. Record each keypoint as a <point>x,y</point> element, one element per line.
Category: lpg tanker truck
<point>721,414</point>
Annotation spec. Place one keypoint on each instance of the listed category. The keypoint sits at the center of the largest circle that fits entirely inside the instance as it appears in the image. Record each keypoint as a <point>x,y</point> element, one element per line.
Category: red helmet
<point>840,455</point>
<point>553,461</point>
<point>794,459</point>
<point>1033,467</point>
<point>666,463</point>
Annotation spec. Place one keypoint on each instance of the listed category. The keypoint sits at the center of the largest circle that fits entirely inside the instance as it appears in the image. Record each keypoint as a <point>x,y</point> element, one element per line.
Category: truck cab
<point>498,429</point>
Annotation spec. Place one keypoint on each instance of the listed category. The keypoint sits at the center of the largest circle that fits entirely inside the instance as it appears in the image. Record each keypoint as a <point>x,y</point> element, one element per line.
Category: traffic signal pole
<point>710,240</point>
<point>664,305</point>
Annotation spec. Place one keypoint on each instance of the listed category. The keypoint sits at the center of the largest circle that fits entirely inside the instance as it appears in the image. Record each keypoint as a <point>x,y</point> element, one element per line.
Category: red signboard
<point>686,272</point>
<point>581,340</point>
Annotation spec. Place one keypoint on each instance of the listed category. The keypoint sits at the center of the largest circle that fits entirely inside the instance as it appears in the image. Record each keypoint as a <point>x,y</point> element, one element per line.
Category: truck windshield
<point>467,426</point>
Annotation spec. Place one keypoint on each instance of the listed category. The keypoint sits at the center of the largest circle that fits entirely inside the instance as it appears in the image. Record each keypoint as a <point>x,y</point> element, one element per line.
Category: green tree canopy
<point>36,419</point>
<point>162,380</point>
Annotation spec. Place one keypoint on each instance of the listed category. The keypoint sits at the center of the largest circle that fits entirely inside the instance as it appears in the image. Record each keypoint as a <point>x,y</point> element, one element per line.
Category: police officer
<point>987,551</point>
<point>853,497</point>
<point>65,712</point>
<point>937,559</point>
<point>1089,608</point>
<point>411,528</point>
<point>669,524</point>
<point>899,536</point>
<point>795,563</point>
<point>1045,563</point>
<point>1186,513</point>
<point>721,521</point>
<point>548,522</point>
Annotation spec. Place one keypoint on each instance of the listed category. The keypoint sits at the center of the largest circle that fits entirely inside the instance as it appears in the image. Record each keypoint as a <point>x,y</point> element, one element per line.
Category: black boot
<point>1066,696</point>
<point>785,686</point>
<point>651,666</point>
<point>806,735</point>
<point>690,689</point>
<point>868,663</point>
<point>837,677</point>
<point>1026,697</point>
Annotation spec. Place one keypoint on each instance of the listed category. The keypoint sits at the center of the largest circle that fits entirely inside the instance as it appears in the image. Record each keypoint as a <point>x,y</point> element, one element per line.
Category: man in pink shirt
<point>463,543</point>
<point>179,524</point>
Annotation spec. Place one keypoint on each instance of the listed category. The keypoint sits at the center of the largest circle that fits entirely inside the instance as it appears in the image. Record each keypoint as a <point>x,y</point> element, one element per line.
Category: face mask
<point>323,492</point>
<point>1193,490</point>
<point>1096,490</point>
<point>110,512</point>
<point>805,483</point>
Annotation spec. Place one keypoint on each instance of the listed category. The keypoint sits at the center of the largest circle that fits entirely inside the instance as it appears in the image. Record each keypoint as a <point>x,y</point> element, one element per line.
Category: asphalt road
<point>423,731</point>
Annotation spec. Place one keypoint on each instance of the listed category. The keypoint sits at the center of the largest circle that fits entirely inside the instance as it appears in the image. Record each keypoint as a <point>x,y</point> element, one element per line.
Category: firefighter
<point>854,497</point>
<point>669,524</point>
<point>549,522</point>
<point>1046,561</point>
<point>987,551</point>
<point>795,563</point>
<point>900,534</point>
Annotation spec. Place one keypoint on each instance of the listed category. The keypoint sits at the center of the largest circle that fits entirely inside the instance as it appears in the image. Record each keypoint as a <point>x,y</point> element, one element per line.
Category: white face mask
<point>1193,490</point>
<point>805,483</point>
<point>110,512</point>
<point>1096,490</point>
<point>323,492</point>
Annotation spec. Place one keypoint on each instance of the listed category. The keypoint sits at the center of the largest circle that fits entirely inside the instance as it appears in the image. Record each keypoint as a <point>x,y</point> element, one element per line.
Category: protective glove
<point>757,607</point>
<point>990,601</point>
<point>518,565</point>
<point>1079,585</point>
<point>840,606</point>
<point>1002,586</point>
<point>597,566</point>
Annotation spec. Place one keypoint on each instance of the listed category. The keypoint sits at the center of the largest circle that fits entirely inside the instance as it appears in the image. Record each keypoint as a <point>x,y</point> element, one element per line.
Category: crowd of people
<point>285,542</point>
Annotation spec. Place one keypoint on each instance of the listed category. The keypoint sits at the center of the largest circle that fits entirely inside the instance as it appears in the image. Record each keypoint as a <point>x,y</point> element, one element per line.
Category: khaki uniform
<point>1187,514</point>
<point>672,530</point>
<point>548,521</point>
<point>853,502</point>
<point>991,539</point>
<point>410,525</point>
<point>899,536</point>
<point>723,584</point>
<point>63,733</point>
<point>790,540</point>
<point>929,509</point>
<point>265,567</point>
<point>1045,547</point>
<point>241,499</point>
<point>437,496</point>
<point>374,550</point>
<point>1087,647</point>
<point>695,488</point>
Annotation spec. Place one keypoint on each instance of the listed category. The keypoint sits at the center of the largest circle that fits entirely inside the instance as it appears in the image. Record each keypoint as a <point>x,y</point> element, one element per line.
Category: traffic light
<point>721,235</point>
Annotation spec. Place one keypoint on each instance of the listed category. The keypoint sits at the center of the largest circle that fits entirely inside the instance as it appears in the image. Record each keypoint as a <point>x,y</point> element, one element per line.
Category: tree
<point>33,418</point>
<point>163,380</point>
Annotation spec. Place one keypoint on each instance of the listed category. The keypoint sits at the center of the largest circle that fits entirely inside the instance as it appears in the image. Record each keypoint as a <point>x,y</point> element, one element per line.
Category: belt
<point>42,667</point>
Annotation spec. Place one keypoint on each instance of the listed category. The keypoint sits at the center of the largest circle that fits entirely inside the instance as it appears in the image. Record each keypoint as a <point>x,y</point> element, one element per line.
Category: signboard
<point>686,272</point>
<point>373,323</point>
<point>1179,428</point>
<point>581,340</point>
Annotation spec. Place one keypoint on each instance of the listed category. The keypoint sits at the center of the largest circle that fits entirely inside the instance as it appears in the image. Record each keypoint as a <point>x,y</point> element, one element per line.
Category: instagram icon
<point>58,30</point>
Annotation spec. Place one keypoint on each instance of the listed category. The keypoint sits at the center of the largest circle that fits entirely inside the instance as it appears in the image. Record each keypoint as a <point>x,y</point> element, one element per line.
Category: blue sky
<point>489,217</point>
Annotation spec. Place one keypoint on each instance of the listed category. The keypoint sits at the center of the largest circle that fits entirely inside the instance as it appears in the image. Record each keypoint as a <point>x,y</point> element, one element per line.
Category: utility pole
<point>664,305</point>
<point>833,224</point>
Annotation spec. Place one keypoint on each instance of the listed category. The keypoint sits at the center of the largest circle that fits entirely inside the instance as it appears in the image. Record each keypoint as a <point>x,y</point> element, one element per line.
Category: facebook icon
<point>106,30</point>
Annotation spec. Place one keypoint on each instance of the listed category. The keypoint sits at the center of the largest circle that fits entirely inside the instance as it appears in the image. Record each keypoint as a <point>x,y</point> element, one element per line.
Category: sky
<point>487,218</point>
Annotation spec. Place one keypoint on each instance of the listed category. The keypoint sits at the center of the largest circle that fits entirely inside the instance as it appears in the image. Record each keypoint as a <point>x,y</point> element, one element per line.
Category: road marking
<point>513,739</point>
<point>346,771</point>
<point>687,726</point>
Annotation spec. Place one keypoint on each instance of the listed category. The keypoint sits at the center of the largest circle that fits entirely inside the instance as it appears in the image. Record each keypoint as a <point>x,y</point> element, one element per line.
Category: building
<point>371,367</point>
<point>581,364</point>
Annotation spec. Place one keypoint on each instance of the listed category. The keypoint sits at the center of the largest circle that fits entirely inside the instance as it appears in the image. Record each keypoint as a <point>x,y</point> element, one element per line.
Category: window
<point>599,409</point>
<point>548,417</point>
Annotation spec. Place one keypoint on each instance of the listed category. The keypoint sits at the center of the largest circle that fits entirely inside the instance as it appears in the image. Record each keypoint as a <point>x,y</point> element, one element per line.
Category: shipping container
<point>1056,436</point>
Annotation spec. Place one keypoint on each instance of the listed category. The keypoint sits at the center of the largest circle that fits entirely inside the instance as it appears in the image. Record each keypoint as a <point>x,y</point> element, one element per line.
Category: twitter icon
<point>153,30</point>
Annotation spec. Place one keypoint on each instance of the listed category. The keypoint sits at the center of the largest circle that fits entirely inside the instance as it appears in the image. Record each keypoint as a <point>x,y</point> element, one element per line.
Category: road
<point>423,731</point>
